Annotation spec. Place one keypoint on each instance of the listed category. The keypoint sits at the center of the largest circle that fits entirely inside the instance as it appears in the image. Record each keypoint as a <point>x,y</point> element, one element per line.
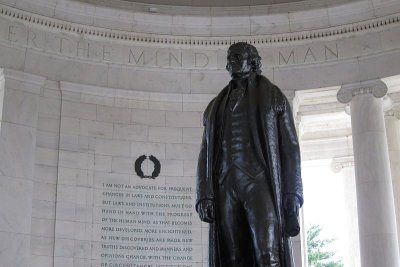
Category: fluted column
<point>393,136</point>
<point>376,213</point>
<point>345,166</point>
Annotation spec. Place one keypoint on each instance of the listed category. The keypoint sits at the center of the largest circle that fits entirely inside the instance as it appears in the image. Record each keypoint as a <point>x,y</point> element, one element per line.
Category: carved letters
<point>123,53</point>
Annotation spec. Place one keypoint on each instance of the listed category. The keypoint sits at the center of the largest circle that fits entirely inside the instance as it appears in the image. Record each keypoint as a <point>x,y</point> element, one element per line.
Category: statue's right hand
<point>206,211</point>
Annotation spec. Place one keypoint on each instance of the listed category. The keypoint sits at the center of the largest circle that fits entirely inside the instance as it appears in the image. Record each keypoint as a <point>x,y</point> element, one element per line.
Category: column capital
<point>339,164</point>
<point>376,88</point>
<point>393,113</point>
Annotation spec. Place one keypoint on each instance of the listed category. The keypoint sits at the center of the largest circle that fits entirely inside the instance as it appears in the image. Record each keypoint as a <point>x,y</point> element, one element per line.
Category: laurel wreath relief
<point>138,167</point>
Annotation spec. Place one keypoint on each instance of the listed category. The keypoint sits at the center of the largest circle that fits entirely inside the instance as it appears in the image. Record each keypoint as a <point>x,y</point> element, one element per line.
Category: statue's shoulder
<point>267,86</point>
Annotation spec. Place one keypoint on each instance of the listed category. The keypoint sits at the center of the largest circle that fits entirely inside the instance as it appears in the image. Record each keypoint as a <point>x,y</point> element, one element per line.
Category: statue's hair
<point>255,59</point>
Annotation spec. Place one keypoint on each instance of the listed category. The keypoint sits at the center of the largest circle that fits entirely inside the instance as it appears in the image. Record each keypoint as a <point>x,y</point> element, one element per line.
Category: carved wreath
<point>138,167</point>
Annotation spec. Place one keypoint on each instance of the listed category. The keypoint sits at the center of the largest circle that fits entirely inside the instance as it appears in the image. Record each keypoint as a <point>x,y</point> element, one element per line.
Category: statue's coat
<point>274,134</point>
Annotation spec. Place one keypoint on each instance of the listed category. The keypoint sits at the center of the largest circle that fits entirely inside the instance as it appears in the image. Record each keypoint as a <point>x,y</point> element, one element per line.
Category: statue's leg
<point>235,238</point>
<point>262,220</point>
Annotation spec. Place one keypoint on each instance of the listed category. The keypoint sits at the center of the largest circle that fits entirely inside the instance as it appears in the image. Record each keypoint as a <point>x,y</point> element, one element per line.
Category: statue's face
<point>238,64</point>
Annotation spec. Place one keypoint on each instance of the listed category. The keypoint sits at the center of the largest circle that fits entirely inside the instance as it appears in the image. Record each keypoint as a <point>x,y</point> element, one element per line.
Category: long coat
<point>274,134</point>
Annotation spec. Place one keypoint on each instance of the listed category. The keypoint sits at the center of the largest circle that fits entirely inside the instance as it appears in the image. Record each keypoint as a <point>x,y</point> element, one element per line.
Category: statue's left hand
<point>291,205</point>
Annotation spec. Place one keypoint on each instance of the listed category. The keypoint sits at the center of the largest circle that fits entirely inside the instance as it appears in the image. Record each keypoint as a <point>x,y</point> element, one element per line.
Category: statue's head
<point>242,60</point>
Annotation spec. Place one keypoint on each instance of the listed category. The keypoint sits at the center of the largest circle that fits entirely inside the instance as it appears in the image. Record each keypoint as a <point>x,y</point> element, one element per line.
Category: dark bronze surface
<point>248,179</point>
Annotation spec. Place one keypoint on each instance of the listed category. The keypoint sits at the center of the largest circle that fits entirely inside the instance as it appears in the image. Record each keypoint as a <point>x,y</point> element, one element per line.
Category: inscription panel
<point>121,216</point>
<point>146,224</point>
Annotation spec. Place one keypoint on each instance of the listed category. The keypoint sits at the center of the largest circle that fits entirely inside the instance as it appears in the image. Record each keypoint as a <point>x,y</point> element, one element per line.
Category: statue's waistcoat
<point>236,146</point>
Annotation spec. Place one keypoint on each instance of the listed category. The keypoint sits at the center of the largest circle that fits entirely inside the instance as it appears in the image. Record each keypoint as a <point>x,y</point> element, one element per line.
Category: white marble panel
<point>17,150</point>
<point>312,18</point>
<point>171,167</point>
<point>131,132</point>
<point>156,149</point>
<point>12,56</point>
<point>378,66</point>
<point>273,23</point>
<point>74,12</point>
<point>95,128</point>
<point>189,167</point>
<point>43,191</point>
<point>384,7</point>
<point>69,126</point>
<point>45,174</point>
<point>131,103</point>
<point>172,106</point>
<point>123,165</point>
<point>99,100</point>
<point>181,180</point>
<point>324,75</point>
<point>71,159</point>
<point>82,249</point>
<point>113,114</point>
<point>62,68</point>
<point>66,193</point>
<point>192,135</point>
<point>43,246</point>
<point>194,106</point>
<point>42,227</point>
<point>78,110</point>
<point>15,205</point>
<point>63,262</point>
<point>102,163</point>
<point>148,117</point>
<point>190,25</point>
<point>208,82</point>
<point>47,139</point>
<point>152,23</point>
<point>165,134</point>
<point>126,77</point>
<point>230,26</point>
<point>340,14</point>
<point>64,247</point>
<point>49,107</point>
<point>111,18</point>
<point>183,119</point>
<point>43,209</point>
<point>20,107</point>
<point>41,261</point>
<point>112,147</point>
<point>15,249</point>
<point>46,156</point>
<point>390,39</point>
<point>182,151</point>
<point>48,124</point>
<point>43,7</point>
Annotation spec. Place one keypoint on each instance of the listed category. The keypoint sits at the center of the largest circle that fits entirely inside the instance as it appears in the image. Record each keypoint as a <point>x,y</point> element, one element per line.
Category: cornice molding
<point>194,41</point>
<point>376,88</point>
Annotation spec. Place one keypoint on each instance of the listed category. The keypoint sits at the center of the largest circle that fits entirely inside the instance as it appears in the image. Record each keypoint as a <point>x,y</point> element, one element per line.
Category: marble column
<point>345,166</point>
<point>393,136</point>
<point>376,212</point>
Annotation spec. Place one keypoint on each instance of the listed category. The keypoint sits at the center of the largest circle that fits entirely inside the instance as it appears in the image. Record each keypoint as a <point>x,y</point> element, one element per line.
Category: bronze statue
<point>249,187</point>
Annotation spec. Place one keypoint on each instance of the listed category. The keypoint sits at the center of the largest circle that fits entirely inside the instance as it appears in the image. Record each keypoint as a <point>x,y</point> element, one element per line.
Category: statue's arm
<point>290,154</point>
<point>205,196</point>
<point>292,187</point>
